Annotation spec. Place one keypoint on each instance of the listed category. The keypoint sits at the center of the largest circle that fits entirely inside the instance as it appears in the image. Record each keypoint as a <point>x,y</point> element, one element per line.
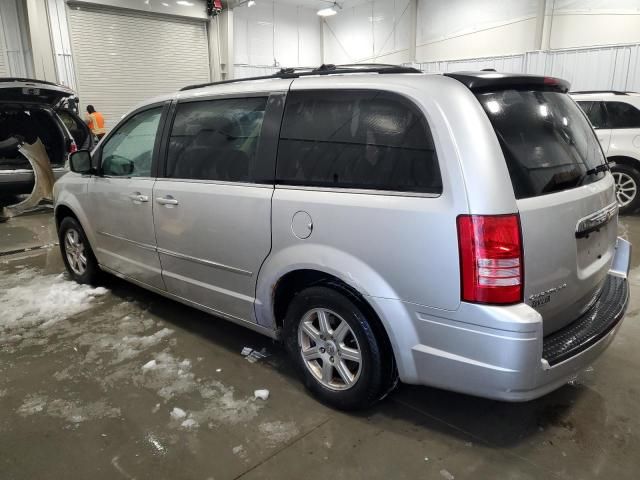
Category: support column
<point>413,28</point>
<point>544,21</point>
<point>220,33</point>
<point>41,46</point>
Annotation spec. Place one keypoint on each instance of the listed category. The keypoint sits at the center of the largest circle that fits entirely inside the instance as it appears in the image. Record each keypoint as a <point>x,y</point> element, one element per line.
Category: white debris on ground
<point>252,355</point>
<point>177,413</point>
<point>149,364</point>
<point>189,423</point>
<point>278,432</point>
<point>239,451</point>
<point>262,394</point>
<point>156,444</point>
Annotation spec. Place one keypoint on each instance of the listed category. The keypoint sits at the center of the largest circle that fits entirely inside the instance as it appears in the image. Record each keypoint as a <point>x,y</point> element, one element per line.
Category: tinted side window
<point>356,139</point>
<point>595,113</point>
<point>215,139</point>
<point>129,151</point>
<point>622,115</point>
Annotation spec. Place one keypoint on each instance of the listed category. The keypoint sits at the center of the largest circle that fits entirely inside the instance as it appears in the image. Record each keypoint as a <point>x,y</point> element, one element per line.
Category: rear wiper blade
<point>595,170</point>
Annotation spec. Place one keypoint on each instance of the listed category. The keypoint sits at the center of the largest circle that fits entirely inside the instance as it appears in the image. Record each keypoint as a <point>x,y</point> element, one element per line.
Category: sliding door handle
<point>167,200</point>
<point>136,197</point>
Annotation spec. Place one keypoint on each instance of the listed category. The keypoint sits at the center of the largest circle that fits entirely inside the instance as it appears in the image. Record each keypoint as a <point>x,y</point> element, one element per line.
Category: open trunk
<point>28,124</point>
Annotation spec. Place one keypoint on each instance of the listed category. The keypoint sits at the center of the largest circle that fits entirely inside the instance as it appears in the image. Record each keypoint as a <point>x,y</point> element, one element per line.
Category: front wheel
<point>76,252</point>
<point>627,181</point>
<point>335,349</point>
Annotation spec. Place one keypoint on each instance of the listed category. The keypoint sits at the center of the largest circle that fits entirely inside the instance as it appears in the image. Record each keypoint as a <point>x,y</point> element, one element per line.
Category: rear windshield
<point>548,143</point>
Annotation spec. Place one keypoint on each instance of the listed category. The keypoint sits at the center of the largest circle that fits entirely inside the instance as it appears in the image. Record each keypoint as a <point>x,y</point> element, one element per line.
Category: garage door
<point>123,57</point>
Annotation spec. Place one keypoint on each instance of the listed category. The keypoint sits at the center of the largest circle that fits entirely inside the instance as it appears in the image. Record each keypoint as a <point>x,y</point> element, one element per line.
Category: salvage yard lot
<point>116,382</point>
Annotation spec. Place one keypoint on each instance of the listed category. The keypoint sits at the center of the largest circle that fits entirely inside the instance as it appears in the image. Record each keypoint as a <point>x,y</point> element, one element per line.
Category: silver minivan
<point>457,230</point>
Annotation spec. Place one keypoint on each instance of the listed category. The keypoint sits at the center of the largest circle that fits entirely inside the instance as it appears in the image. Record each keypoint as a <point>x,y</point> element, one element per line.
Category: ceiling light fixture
<point>328,12</point>
<point>251,3</point>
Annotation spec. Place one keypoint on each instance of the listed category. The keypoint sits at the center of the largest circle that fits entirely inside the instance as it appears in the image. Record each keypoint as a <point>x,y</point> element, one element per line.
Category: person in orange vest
<point>95,120</point>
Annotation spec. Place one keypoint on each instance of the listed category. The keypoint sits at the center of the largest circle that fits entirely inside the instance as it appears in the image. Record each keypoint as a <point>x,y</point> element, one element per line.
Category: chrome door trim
<point>181,256</point>
<point>202,261</point>
<point>359,191</point>
<point>145,246</point>
<point>269,332</point>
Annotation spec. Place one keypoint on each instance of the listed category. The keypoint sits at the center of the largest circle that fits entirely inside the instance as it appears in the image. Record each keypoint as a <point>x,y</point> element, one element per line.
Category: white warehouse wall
<point>463,29</point>
<point>454,29</point>
<point>271,34</point>
<point>376,31</point>
<point>586,23</point>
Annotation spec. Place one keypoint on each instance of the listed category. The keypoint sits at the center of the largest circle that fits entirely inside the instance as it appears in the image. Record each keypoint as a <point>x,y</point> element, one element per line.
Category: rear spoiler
<point>491,81</point>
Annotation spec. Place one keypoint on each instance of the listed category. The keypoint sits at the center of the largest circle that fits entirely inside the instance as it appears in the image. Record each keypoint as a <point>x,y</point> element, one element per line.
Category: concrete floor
<point>89,380</point>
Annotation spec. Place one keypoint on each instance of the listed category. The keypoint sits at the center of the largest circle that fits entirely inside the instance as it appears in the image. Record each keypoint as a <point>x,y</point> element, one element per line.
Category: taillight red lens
<point>73,147</point>
<point>491,269</point>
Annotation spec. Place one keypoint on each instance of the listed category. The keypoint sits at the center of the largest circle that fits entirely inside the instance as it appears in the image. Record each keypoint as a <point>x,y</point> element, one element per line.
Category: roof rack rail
<point>615,92</point>
<point>324,69</point>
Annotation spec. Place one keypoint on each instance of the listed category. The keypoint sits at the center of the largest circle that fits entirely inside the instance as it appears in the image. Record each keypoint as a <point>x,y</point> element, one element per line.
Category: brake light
<point>72,147</point>
<point>491,260</point>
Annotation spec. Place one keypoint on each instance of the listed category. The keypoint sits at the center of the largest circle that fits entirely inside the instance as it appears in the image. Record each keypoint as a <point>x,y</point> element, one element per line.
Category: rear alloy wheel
<point>334,347</point>
<point>627,185</point>
<point>329,349</point>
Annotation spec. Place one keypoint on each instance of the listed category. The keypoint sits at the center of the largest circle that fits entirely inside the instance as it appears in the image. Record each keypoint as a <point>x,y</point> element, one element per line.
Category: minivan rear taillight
<point>491,267</point>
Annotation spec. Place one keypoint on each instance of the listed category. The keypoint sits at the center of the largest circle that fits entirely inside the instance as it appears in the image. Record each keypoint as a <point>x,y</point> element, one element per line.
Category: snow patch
<point>69,410</point>
<point>29,300</point>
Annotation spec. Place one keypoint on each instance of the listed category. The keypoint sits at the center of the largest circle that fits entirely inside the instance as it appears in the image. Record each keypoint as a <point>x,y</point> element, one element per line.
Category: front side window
<point>216,139</point>
<point>622,115</point>
<point>356,139</point>
<point>129,151</point>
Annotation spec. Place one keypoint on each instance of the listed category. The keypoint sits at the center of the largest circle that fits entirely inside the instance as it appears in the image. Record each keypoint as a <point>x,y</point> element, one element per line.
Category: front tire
<point>76,252</point>
<point>627,181</point>
<point>334,348</point>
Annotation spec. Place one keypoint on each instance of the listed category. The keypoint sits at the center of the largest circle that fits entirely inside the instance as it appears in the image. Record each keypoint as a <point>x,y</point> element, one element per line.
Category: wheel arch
<point>287,272</point>
<point>625,160</point>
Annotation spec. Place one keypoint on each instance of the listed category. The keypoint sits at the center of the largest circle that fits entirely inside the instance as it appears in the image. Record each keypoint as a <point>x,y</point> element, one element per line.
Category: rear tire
<point>627,181</point>
<point>76,252</point>
<point>343,363</point>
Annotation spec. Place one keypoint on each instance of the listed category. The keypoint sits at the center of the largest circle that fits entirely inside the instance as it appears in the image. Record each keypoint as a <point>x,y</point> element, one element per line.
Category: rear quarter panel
<point>384,245</point>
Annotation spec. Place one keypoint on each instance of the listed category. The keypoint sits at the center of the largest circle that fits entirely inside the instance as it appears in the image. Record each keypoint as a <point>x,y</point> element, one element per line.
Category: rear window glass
<point>547,142</point>
<point>356,139</point>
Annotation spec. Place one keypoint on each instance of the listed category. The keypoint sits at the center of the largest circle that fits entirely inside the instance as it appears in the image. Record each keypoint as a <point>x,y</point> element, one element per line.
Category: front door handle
<point>136,197</point>
<point>167,200</point>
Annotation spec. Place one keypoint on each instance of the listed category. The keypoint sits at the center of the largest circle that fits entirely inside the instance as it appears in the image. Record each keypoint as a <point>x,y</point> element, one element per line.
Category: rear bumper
<point>500,352</point>
<point>21,180</point>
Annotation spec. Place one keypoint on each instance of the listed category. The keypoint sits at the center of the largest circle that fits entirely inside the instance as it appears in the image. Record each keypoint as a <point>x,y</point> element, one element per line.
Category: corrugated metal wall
<point>615,67</point>
<point>135,57</point>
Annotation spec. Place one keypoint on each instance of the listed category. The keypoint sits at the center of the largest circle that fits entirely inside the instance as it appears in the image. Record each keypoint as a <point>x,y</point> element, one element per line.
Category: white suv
<point>616,119</point>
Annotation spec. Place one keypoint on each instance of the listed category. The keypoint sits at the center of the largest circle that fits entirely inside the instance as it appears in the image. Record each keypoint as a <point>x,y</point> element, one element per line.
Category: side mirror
<point>80,162</point>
